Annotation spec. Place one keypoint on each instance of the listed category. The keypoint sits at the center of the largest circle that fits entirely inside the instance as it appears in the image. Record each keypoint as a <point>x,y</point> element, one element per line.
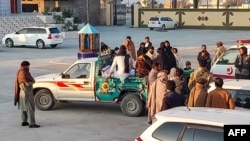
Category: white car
<point>34,36</point>
<point>224,65</point>
<point>240,90</point>
<point>162,22</point>
<point>193,124</point>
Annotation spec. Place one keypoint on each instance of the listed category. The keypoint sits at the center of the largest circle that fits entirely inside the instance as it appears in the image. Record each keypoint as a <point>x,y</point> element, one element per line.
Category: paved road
<point>88,121</point>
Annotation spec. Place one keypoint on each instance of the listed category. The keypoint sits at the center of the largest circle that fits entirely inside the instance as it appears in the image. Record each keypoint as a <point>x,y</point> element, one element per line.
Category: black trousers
<point>241,76</point>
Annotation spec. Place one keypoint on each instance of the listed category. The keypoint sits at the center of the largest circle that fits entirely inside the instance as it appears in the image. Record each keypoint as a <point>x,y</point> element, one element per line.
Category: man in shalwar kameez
<point>24,95</point>
<point>156,94</point>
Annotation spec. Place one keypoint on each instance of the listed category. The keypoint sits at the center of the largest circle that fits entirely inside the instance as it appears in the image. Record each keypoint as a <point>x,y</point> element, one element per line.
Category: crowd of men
<point>169,83</point>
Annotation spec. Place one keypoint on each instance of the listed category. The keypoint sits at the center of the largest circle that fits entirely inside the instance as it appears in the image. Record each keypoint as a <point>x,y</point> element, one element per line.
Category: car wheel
<point>9,42</point>
<point>163,27</point>
<point>151,28</point>
<point>44,100</point>
<point>132,105</point>
<point>175,26</point>
<point>40,44</point>
<point>53,46</point>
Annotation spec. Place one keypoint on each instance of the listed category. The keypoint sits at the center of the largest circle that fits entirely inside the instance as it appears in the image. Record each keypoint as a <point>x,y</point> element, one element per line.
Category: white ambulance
<point>224,67</point>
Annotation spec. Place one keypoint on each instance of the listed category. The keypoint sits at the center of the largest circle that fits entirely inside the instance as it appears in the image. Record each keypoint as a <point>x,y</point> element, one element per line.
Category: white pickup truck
<point>84,81</point>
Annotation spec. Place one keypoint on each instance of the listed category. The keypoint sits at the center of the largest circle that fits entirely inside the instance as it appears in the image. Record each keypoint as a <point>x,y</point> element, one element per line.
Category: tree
<point>161,5</point>
<point>153,3</point>
<point>174,4</point>
<point>196,4</point>
<point>218,4</point>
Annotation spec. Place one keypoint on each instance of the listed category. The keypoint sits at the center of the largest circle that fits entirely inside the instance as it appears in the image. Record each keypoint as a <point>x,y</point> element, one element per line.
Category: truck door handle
<point>86,82</point>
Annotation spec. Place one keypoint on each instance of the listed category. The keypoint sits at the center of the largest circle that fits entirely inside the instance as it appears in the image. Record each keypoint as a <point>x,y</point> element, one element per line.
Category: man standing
<point>201,72</point>
<point>156,94</point>
<point>129,44</point>
<point>147,43</point>
<point>198,94</point>
<point>205,55</point>
<point>172,99</point>
<point>220,49</point>
<point>152,76</point>
<point>242,64</point>
<point>24,95</point>
<point>187,71</point>
<point>220,98</point>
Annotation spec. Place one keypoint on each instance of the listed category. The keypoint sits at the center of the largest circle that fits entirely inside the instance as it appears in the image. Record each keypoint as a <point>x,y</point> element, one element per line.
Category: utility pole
<point>115,16</point>
<point>153,3</point>
<point>87,11</point>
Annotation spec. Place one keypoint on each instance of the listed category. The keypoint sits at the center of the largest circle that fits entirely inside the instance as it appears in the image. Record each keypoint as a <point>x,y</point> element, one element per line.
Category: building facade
<point>8,7</point>
<point>81,8</point>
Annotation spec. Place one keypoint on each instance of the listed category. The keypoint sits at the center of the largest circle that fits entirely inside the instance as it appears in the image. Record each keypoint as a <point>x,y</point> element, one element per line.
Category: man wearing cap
<point>198,94</point>
<point>220,49</point>
<point>187,71</point>
<point>201,72</point>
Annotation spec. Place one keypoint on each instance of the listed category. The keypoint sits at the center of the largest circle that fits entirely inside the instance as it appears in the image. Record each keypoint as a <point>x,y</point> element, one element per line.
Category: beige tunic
<point>156,95</point>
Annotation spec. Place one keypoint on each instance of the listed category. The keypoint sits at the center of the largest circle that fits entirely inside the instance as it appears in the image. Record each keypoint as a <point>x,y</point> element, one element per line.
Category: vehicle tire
<point>53,46</point>
<point>151,28</point>
<point>40,44</point>
<point>9,43</point>
<point>132,105</point>
<point>163,27</point>
<point>44,100</point>
<point>175,26</point>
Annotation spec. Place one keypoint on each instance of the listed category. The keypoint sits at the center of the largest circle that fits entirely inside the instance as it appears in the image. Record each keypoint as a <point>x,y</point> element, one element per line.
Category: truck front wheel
<point>44,100</point>
<point>132,105</point>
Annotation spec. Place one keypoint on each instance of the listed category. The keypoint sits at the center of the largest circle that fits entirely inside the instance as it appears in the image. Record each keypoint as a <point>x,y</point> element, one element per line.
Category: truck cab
<point>85,80</point>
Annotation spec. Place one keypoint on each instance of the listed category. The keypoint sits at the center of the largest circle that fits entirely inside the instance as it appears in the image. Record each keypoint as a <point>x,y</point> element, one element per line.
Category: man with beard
<point>150,53</point>
<point>166,59</point>
<point>24,95</point>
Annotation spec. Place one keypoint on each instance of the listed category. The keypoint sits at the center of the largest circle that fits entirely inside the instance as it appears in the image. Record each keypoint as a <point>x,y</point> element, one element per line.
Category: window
<point>188,134</point>
<point>206,135</point>
<point>169,19</point>
<point>79,71</point>
<point>32,30</point>
<point>242,99</point>
<point>168,131</point>
<point>202,133</point>
<point>54,30</point>
<point>41,31</point>
<point>164,19</point>
<point>154,19</point>
<point>229,57</point>
<point>233,93</point>
<point>22,31</point>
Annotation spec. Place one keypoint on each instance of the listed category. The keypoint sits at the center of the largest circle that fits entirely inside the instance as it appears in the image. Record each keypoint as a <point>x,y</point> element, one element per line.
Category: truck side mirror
<point>62,75</point>
<point>65,75</point>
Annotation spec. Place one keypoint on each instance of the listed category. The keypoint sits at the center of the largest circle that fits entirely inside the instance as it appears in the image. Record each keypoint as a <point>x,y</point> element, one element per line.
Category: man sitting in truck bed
<point>124,64</point>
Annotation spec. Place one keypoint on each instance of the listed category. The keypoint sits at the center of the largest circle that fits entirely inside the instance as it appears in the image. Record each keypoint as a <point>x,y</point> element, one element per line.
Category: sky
<point>132,1</point>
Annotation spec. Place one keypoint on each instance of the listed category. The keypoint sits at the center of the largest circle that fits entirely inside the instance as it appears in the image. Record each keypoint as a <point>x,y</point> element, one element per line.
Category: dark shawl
<point>23,75</point>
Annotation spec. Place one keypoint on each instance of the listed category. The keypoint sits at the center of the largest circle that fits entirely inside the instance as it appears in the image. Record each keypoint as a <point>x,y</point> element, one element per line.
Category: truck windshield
<point>81,70</point>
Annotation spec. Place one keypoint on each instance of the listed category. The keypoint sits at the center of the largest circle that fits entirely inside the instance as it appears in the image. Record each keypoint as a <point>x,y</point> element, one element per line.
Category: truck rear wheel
<point>44,100</point>
<point>132,105</point>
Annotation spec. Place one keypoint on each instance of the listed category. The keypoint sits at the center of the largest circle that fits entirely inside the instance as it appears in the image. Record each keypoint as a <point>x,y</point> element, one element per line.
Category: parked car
<point>162,22</point>
<point>224,65</point>
<point>240,90</point>
<point>34,36</point>
<point>193,124</point>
